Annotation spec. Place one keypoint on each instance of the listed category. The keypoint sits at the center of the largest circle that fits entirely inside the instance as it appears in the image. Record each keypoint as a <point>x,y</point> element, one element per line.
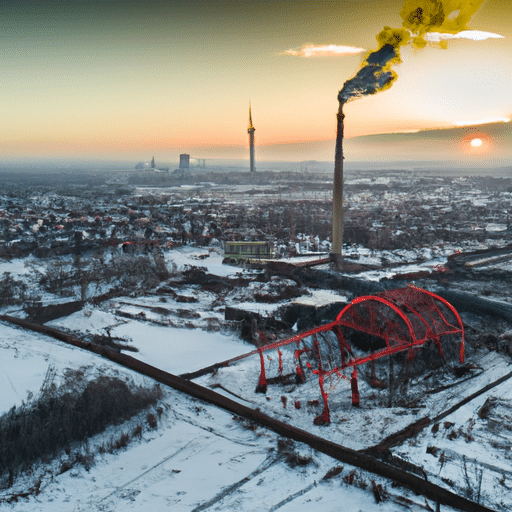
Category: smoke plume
<point>420,17</point>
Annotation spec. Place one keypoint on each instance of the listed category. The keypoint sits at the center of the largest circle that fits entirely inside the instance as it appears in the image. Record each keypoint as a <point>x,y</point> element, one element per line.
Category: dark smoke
<point>372,77</point>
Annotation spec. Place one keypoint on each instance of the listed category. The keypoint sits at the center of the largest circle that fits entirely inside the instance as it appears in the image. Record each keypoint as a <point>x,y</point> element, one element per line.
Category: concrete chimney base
<point>337,260</point>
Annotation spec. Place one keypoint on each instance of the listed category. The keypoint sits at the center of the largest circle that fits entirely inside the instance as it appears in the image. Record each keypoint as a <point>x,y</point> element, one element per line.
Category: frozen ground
<point>24,360</point>
<point>209,259</point>
<point>15,266</point>
<point>169,348</point>
<point>470,452</point>
<point>199,458</point>
<point>356,428</point>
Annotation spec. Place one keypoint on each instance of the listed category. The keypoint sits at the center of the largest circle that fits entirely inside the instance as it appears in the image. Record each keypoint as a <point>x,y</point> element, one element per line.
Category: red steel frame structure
<point>401,320</point>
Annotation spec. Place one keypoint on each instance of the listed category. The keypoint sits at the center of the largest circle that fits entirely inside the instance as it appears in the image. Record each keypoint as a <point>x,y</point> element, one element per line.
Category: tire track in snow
<point>163,461</point>
<point>12,385</point>
<point>267,463</point>
<point>293,496</point>
<point>211,430</point>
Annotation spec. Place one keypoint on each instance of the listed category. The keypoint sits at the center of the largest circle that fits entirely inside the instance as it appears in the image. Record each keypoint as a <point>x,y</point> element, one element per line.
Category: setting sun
<point>476,143</point>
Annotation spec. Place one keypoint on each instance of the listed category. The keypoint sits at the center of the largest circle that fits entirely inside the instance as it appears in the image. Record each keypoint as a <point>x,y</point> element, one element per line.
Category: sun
<point>475,143</point>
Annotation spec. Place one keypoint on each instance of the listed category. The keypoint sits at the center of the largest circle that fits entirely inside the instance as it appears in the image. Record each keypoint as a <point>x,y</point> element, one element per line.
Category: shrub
<point>132,270</point>
<point>12,291</point>
<point>43,427</point>
<point>151,420</point>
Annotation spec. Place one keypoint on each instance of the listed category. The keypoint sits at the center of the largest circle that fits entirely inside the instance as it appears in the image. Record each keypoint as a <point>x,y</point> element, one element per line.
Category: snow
<point>377,275</point>
<point>180,350</point>
<point>492,226</point>
<point>15,266</point>
<point>171,349</point>
<point>460,450</point>
<point>24,360</point>
<point>200,452</point>
<point>213,262</point>
<point>199,455</point>
<point>187,470</point>
<point>322,297</point>
<point>257,307</point>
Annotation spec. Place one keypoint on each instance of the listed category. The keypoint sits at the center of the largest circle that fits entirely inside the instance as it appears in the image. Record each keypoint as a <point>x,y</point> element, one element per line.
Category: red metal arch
<point>341,321</point>
<point>457,316</point>
<point>415,297</point>
<point>422,319</point>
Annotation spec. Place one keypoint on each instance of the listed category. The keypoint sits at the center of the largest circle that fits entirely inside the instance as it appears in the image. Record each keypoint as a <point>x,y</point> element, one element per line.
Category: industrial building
<point>184,161</point>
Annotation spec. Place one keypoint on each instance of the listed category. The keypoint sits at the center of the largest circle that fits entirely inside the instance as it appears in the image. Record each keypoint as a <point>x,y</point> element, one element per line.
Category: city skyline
<point>122,80</point>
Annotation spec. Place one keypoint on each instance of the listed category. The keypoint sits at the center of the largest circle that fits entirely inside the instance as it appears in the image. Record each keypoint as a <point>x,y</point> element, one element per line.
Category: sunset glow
<point>477,144</point>
<point>130,79</point>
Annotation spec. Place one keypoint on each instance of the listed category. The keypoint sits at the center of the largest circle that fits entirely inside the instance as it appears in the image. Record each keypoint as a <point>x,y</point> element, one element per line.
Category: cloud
<point>474,35</point>
<point>333,50</point>
<point>483,121</point>
<point>328,50</point>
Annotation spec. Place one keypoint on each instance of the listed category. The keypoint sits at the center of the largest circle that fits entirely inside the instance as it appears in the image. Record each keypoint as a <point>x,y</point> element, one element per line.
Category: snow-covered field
<point>470,452</point>
<point>199,458</point>
<point>204,458</point>
<point>171,349</point>
<point>25,358</point>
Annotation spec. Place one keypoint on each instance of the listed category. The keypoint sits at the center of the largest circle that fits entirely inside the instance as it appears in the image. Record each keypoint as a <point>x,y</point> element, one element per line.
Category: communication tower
<point>251,131</point>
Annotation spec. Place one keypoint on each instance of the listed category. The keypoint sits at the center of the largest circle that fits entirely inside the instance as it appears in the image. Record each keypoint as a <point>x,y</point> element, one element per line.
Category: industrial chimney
<point>377,74</point>
<point>337,195</point>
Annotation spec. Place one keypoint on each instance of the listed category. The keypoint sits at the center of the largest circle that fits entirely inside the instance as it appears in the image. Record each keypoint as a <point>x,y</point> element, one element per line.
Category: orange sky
<point>132,79</point>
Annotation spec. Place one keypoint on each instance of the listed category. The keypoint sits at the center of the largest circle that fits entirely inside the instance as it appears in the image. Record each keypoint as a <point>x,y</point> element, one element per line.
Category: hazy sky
<point>136,78</point>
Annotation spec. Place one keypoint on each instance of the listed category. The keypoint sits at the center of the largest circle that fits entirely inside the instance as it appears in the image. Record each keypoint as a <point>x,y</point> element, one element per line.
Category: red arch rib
<point>454,311</point>
<point>339,318</point>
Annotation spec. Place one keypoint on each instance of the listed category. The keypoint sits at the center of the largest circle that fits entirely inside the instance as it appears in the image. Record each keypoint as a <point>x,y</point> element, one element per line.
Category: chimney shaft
<point>337,195</point>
